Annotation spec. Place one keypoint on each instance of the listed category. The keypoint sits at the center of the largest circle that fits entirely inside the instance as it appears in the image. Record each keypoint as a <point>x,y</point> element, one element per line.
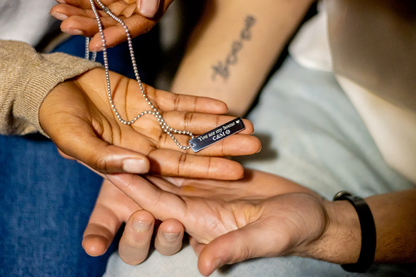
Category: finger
<point>114,33</point>
<point>169,237</point>
<point>174,163</point>
<point>135,242</point>
<point>137,25</point>
<point>65,156</point>
<point>69,10</point>
<point>106,158</point>
<point>199,123</point>
<point>161,204</point>
<point>84,25</point>
<point>106,218</point>
<point>196,246</point>
<point>168,101</point>
<point>148,8</point>
<point>117,7</point>
<point>129,10</point>
<point>63,11</point>
<point>85,4</point>
<point>237,145</point>
<point>236,246</point>
<point>100,231</point>
<point>83,22</point>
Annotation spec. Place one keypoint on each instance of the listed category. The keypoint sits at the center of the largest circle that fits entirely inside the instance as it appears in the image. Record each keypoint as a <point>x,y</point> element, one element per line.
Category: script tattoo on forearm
<point>222,67</point>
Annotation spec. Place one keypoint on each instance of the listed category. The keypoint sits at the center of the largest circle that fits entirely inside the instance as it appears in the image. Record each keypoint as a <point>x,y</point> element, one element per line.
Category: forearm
<point>26,77</point>
<point>233,48</point>
<point>394,216</point>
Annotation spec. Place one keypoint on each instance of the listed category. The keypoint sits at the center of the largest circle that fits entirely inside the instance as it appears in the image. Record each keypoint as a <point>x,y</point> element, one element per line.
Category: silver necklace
<point>153,111</point>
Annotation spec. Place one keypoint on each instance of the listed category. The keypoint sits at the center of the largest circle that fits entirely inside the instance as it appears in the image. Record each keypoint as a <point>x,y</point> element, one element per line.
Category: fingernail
<point>59,16</point>
<point>148,8</point>
<point>74,32</point>
<point>141,226</point>
<point>170,236</point>
<point>61,1</point>
<point>97,49</point>
<point>137,166</point>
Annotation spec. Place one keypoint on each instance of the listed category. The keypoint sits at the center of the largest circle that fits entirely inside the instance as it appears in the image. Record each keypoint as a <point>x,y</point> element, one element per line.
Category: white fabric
<point>30,22</point>
<point>310,47</point>
<point>392,128</point>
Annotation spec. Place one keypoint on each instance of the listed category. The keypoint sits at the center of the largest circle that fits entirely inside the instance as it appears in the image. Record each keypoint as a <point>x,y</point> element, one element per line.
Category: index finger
<point>137,23</point>
<point>106,218</point>
<point>163,205</point>
<point>84,4</point>
<point>169,101</point>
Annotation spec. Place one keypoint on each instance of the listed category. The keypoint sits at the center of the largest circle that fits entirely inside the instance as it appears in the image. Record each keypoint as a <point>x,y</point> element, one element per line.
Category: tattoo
<point>222,67</point>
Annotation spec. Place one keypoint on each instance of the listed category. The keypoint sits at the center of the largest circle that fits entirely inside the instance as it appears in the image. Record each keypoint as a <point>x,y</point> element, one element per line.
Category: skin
<point>242,222</point>
<point>113,208</point>
<point>276,21</point>
<point>221,26</point>
<point>90,133</point>
<point>227,220</point>
<point>286,219</point>
<point>78,16</point>
<point>78,19</point>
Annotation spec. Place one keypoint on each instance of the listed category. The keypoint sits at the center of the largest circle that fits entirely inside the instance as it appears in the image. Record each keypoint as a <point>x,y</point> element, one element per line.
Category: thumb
<point>86,147</point>
<point>148,8</point>
<point>235,246</point>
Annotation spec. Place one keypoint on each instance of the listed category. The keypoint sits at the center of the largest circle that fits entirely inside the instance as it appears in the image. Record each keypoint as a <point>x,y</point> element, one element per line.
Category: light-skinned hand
<point>226,228</point>
<point>112,209</point>
<point>78,118</point>
<point>139,16</point>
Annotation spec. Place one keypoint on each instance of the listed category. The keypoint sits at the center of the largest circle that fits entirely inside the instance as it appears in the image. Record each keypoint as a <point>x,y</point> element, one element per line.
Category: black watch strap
<point>368,232</point>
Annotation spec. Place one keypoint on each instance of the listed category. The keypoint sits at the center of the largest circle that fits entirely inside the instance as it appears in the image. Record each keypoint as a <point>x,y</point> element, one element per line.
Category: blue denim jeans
<point>45,203</point>
<point>45,200</point>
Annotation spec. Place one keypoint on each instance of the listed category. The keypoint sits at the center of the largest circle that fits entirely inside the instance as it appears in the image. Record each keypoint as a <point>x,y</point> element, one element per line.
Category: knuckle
<point>181,164</point>
<point>176,100</point>
<point>195,107</point>
<point>217,120</point>
<point>100,163</point>
<point>208,174</point>
<point>187,120</point>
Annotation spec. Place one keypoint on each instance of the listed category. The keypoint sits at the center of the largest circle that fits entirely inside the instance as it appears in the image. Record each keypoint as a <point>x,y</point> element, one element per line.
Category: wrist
<point>341,241</point>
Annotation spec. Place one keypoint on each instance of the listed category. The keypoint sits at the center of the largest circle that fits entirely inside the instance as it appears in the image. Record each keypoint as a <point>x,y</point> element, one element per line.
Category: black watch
<point>368,232</point>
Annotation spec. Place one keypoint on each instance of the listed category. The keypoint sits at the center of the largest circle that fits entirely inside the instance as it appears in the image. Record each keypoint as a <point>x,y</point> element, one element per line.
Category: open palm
<point>232,231</point>
<point>77,115</point>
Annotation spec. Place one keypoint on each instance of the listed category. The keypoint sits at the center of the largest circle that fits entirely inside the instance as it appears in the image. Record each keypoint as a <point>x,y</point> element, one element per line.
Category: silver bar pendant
<point>230,128</point>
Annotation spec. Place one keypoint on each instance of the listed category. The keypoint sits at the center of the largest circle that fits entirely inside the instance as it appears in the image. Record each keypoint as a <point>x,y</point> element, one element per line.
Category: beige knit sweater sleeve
<point>26,77</point>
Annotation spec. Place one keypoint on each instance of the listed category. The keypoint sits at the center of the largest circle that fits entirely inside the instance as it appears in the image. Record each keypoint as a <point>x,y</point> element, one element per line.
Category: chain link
<point>165,127</point>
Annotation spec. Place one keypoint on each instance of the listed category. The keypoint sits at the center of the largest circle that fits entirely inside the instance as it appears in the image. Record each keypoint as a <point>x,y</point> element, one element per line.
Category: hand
<point>78,118</point>
<point>139,16</point>
<point>113,208</point>
<point>227,232</point>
